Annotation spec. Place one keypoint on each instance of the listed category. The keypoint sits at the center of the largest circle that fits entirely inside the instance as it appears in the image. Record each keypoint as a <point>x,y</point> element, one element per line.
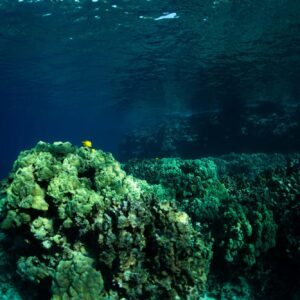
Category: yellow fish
<point>87,144</point>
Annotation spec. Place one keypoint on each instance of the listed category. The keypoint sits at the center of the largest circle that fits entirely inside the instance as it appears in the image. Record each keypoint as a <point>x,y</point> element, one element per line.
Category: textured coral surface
<point>249,205</point>
<point>75,224</point>
<point>78,227</point>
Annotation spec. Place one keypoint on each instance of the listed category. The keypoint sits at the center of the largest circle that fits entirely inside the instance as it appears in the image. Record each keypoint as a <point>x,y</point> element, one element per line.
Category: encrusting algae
<point>93,232</point>
<point>82,228</point>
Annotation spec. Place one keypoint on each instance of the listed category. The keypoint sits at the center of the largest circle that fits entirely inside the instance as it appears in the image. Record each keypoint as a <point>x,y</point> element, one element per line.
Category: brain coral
<point>80,228</point>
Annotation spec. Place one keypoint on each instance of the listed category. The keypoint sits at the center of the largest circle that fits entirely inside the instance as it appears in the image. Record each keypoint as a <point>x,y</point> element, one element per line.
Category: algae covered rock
<point>259,236</point>
<point>81,228</point>
<point>193,184</point>
<point>247,232</point>
<point>25,193</point>
<point>248,204</point>
<point>75,278</point>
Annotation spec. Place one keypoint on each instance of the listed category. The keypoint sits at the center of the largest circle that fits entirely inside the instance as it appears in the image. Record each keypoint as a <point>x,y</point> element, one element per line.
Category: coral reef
<point>80,228</point>
<point>192,184</point>
<point>249,206</point>
<point>75,224</point>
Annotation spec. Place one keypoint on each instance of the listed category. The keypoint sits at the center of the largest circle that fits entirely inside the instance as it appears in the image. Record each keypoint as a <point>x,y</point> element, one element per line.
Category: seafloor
<point>76,224</point>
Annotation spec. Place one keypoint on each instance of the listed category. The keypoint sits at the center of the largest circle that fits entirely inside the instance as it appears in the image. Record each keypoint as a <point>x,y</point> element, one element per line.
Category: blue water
<point>74,70</point>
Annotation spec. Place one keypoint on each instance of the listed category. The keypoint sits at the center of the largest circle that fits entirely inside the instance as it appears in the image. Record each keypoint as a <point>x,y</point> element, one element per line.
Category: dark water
<point>73,70</point>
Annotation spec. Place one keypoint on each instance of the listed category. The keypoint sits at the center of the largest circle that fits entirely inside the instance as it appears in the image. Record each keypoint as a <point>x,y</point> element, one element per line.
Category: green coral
<point>76,278</point>
<point>192,184</point>
<point>82,224</point>
<point>248,205</point>
<point>24,192</point>
<point>248,232</point>
<point>81,228</point>
<point>33,269</point>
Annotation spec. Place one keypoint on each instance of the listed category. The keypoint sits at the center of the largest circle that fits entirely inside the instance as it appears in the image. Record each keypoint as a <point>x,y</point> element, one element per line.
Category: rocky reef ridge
<point>78,227</point>
<point>76,224</point>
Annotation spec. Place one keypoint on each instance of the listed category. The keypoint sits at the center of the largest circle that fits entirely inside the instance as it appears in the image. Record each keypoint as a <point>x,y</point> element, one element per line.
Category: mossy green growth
<point>246,203</point>
<point>248,232</point>
<point>78,221</point>
<point>76,278</point>
<point>193,184</point>
<point>25,193</point>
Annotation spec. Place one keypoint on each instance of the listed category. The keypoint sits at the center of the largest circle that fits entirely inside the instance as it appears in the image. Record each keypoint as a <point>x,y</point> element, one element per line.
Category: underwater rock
<point>81,228</point>
<point>248,231</point>
<point>248,205</point>
<point>77,278</point>
<point>192,184</point>
<point>254,129</point>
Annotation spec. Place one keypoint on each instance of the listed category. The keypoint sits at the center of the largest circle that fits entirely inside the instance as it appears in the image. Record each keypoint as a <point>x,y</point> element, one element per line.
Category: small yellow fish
<point>87,144</point>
